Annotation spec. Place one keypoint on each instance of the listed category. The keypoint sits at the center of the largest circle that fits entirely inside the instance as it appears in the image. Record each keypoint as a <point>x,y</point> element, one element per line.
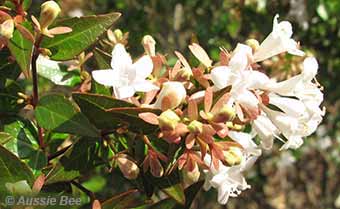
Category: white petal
<point>105,77</point>
<point>121,60</point>
<point>239,59</point>
<point>221,76</point>
<point>223,194</point>
<point>143,67</point>
<point>310,68</point>
<point>144,86</point>
<point>124,92</point>
<point>292,107</point>
<point>266,130</point>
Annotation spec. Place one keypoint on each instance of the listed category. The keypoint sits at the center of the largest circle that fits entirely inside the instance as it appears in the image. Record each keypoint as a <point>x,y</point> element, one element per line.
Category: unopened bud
<point>226,113</point>
<point>253,43</point>
<point>174,93</point>
<point>233,156</point>
<point>49,12</point>
<point>7,29</point>
<point>168,120</point>
<point>129,169</point>
<point>190,177</point>
<point>45,52</point>
<point>20,101</point>
<point>84,75</point>
<point>149,45</point>
<point>22,95</point>
<point>195,127</point>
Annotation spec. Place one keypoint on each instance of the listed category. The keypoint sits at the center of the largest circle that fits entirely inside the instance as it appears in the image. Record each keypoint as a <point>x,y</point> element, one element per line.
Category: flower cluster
<point>206,108</point>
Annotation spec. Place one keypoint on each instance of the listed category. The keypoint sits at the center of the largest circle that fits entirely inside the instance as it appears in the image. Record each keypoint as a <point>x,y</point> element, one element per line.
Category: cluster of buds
<point>206,107</point>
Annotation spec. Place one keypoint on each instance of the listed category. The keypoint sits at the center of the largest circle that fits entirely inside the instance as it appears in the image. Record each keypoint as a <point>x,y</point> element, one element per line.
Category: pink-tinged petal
<point>149,117</point>
<point>190,141</point>
<point>192,110</point>
<point>96,205</point>
<point>121,60</point>
<point>208,130</point>
<point>200,54</point>
<point>156,168</point>
<point>143,67</point>
<point>60,30</point>
<point>181,161</point>
<point>208,99</point>
<point>105,77</point>
<point>181,129</point>
<point>149,96</point>
<point>183,60</point>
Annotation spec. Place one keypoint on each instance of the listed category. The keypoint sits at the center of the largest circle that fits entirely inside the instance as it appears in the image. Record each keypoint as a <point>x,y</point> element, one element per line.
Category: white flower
<point>126,77</point>
<point>172,95</point>
<point>229,180</point>
<point>278,41</point>
<point>265,129</point>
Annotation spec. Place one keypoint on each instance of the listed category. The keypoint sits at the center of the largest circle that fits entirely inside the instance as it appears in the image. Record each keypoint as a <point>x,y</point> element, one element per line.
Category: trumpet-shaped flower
<point>278,41</point>
<point>229,180</point>
<point>126,77</point>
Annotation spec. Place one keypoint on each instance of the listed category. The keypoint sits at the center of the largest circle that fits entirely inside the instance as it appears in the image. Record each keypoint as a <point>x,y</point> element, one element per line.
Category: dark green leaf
<point>21,48</point>
<point>103,59</point>
<point>128,116</point>
<point>85,31</point>
<point>12,170</point>
<point>55,112</point>
<point>93,106</point>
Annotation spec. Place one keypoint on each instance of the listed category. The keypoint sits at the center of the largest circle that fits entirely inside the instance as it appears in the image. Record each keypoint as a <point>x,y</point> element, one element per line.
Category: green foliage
<point>85,31</point>
<point>56,113</point>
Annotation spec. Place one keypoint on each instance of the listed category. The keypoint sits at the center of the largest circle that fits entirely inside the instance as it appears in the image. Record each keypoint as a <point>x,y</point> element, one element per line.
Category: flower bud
<point>233,156</point>
<point>173,92</point>
<point>7,29</point>
<point>149,45</point>
<point>226,113</point>
<point>129,169</point>
<point>253,43</point>
<point>233,126</point>
<point>49,12</point>
<point>19,188</point>
<point>195,127</point>
<point>190,177</point>
<point>168,120</point>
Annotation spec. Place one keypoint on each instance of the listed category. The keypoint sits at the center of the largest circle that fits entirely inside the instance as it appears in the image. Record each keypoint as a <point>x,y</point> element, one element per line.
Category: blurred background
<point>306,178</point>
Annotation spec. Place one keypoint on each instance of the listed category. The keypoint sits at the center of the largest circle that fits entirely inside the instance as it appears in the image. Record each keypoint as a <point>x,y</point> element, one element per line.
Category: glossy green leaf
<point>60,174</point>
<point>94,106</point>
<point>56,113</point>
<point>12,170</point>
<point>128,116</point>
<point>56,73</point>
<point>5,138</point>
<point>23,142</point>
<point>85,31</point>
<point>21,48</point>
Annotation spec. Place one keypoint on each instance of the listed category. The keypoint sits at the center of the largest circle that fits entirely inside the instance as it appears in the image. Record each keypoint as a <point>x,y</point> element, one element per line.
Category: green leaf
<point>26,4</point>
<point>23,142</point>
<point>176,192</point>
<point>56,113</point>
<point>5,137</point>
<point>12,170</point>
<point>57,74</point>
<point>85,31</point>
<point>129,199</point>
<point>128,116</point>
<point>60,174</point>
<point>190,194</point>
<point>103,59</point>
<point>9,97</point>
<point>94,106</point>
<point>8,70</point>
<point>21,48</point>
